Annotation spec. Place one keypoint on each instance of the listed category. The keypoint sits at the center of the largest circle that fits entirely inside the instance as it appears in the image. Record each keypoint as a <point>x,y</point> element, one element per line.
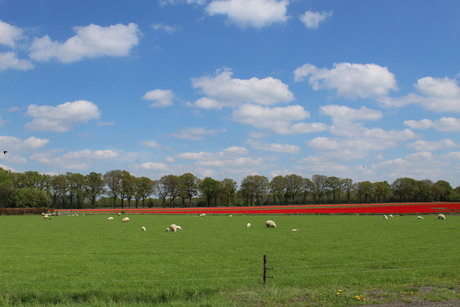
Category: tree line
<point>120,189</point>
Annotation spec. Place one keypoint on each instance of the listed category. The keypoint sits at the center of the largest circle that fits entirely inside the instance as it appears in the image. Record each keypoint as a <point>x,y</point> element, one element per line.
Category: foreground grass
<point>217,261</point>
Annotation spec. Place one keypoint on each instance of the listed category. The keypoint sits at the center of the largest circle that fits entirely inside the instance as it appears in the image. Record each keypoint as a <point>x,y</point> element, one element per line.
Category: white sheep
<point>270,224</point>
<point>125,219</point>
<point>173,228</point>
<point>119,213</point>
<point>46,216</point>
<point>391,215</point>
<point>420,217</point>
<point>441,216</point>
<point>294,229</point>
<point>248,225</point>
<point>143,228</point>
<point>385,217</point>
<point>202,215</point>
<point>109,218</point>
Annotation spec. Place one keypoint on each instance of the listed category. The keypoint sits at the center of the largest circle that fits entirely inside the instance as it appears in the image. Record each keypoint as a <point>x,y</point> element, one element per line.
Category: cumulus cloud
<point>153,166</point>
<point>351,139</point>
<point>312,19</point>
<point>63,117</point>
<point>9,34</point>
<point>155,144</point>
<point>195,133</point>
<point>165,28</point>
<point>283,148</point>
<point>229,157</point>
<point>279,119</point>
<point>422,145</point>
<point>89,42</point>
<point>170,2</point>
<point>250,13</point>
<point>9,60</point>
<point>419,166</point>
<point>160,98</point>
<point>11,143</point>
<point>445,124</point>
<point>225,91</point>
<point>75,160</point>
<point>439,94</point>
<point>349,80</point>
<point>434,94</point>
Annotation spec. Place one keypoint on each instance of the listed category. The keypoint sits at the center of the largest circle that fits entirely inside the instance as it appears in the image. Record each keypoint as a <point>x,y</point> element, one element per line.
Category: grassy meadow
<point>346,260</point>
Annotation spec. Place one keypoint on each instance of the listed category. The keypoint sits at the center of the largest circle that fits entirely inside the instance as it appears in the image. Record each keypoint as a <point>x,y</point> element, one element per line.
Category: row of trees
<point>120,189</point>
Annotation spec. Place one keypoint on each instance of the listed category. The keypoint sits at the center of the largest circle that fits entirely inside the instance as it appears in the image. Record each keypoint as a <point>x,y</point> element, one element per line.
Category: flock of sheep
<point>268,223</point>
<point>175,228</point>
<point>440,216</point>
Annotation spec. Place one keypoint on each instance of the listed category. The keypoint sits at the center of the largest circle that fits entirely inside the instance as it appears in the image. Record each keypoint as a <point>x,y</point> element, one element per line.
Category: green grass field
<point>217,261</point>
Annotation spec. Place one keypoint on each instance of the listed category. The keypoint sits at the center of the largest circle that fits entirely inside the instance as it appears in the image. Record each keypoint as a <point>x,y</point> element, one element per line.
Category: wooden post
<point>265,269</point>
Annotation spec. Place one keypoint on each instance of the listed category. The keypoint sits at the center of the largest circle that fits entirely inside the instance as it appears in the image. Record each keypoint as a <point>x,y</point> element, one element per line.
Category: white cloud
<point>154,144</point>
<point>349,121</point>
<point>75,160</point>
<point>169,2</point>
<point>160,98</point>
<point>283,148</point>
<point>166,28</point>
<point>225,91</point>
<point>313,19</point>
<point>63,117</point>
<point>233,156</point>
<point>421,145</point>
<point>349,80</point>
<point>250,13</point>
<point>12,144</point>
<point>352,140</point>
<point>445,124</point>
<point>154,166</point>
<point>8,60</point>
<point>319,165</point>
<point>89,42</point>
<point>194,133</point>
<point>434,94</point>
<point>9,34</point>
<point>345,115</point>
<point>419,166</point>
<point>440,95</point>
<point>278,119</point>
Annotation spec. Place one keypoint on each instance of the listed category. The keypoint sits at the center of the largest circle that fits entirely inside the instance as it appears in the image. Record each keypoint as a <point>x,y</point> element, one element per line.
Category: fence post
<point>265,270</point>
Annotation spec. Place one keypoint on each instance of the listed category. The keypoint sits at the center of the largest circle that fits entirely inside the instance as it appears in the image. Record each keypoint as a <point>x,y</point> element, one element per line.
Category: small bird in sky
<point>5,152</point>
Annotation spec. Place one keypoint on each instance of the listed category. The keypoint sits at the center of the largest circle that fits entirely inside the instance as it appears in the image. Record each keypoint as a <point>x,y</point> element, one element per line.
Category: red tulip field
<point>377,208</point>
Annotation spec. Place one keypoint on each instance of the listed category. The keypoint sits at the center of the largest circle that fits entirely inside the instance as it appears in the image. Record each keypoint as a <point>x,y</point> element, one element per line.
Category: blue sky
<point>360,89</point>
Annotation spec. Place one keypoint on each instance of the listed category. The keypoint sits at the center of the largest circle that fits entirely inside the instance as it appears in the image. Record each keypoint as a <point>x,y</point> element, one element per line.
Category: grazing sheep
<point>172,227</point>
<point>385,217</point>
<point>420,217</point>
<point>441,216</point>
<point>391,215</point>
<point>202,215</point>
<point>270,224</point>
<point>230,215</point>
<point>109,218</point>
<point>248,225</point>
<point>143,228</point>
<point>119,213</point>
<point>125,219</point>
<point>46,216</point>
<point>294,229</point>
